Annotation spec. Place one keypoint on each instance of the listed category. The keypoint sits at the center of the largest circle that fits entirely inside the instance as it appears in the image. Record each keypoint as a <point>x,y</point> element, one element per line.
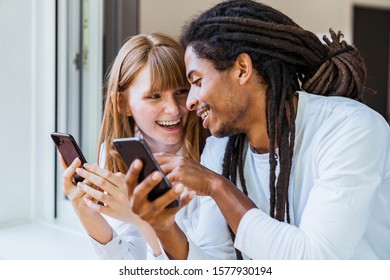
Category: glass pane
<point>79,90</point>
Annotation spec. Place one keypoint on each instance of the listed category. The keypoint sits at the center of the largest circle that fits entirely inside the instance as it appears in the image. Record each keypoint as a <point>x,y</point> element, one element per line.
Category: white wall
<point>15,109</point>
<point>318,16</point>
<point>26,106</point>
<point>168,16</point>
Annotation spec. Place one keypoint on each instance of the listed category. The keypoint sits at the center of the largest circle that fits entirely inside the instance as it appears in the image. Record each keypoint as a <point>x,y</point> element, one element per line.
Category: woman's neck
<point>166,148</point>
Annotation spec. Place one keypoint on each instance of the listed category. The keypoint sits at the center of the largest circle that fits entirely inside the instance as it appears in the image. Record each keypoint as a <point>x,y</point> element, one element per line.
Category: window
<point>79,84</point>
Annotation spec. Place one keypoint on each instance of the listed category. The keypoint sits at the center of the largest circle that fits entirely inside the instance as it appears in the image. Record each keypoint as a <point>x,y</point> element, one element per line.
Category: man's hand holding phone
<point>156,212</point>
<point>134,148</point>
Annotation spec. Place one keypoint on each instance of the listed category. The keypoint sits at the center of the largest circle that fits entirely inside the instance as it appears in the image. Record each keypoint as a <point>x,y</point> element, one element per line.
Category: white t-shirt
<point>339,193</point>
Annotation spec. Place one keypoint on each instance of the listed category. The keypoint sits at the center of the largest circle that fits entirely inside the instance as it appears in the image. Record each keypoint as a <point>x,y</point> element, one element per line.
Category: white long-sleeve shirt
<point>339,193</point>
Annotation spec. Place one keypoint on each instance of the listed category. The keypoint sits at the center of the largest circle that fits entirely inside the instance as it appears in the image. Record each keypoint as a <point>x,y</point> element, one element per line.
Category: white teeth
<point>205,114</point>
<point>168,123</point>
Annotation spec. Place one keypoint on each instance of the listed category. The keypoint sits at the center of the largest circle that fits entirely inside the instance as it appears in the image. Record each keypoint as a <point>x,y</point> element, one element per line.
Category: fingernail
<point>79,170</point>
<point>137,164</point>
<point>156,176</point>
<point>87,201</point>
<point>191,194</point>
<point>179,188</point>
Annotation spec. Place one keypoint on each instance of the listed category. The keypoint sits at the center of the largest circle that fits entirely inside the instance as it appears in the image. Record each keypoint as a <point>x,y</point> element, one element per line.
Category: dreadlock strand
<point>255,27</point>
<point>228,156</point>
<point>241,151</point>
<point>354,75</point>
<point>272,159</point>
<point>283,149</point>
<point>280,185</point>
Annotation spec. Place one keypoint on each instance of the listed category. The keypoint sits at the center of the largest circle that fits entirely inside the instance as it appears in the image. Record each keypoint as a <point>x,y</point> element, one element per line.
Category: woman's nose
<point>172,107</point>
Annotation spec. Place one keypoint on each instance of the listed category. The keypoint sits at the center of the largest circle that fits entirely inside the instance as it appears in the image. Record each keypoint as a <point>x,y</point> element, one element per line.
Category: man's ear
<point>122,104</point>
<point>243,68</point>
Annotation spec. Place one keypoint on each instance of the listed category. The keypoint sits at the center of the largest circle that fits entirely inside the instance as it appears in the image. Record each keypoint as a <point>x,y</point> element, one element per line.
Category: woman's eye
<point>182,92</point>
<point>154,96</point>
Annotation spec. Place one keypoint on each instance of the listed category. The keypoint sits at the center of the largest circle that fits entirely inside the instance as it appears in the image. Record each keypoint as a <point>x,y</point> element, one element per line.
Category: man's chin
<point>225,131</point>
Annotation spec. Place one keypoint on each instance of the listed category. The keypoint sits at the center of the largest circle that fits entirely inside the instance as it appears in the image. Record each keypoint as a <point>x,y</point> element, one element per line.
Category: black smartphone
<point>134,148</point>
<point>69,150</point>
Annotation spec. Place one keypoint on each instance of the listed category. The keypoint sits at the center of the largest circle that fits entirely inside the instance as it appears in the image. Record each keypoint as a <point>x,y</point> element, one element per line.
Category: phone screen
<point>134,148</point>
<point>68,149</point>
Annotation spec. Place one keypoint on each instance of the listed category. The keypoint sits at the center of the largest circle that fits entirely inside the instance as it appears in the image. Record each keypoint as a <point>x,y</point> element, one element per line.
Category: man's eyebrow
<point>190,74</point>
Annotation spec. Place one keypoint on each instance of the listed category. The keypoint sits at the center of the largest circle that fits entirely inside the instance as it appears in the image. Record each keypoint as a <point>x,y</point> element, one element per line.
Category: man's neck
<point>257,134</point>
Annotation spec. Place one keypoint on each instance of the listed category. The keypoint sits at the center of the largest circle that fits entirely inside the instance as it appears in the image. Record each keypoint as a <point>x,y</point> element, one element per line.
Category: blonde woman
<point>146,97</point>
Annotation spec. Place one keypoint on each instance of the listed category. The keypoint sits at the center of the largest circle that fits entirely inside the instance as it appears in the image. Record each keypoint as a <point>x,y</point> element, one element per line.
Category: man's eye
<point>197,82</point>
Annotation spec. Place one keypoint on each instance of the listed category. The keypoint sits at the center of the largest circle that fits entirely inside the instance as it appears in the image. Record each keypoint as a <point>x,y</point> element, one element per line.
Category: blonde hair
<point>166,60</point>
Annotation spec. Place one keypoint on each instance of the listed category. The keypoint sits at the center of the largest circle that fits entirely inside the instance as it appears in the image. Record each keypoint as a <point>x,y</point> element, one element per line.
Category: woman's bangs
<point>167,69</point>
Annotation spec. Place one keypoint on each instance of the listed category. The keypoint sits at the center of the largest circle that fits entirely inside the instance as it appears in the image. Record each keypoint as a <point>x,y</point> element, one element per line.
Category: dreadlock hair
<point>288,58</point>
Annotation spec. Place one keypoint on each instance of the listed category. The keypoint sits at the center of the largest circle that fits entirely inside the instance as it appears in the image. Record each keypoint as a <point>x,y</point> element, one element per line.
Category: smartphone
<point>69,150</point>
<point>134,148</point>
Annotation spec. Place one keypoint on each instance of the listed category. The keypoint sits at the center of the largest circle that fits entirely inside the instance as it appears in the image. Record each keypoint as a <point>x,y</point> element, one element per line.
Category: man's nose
<point>192,101</point>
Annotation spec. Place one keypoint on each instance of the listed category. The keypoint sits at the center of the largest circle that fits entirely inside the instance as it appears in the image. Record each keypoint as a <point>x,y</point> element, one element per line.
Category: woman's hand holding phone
<point>121,196</point>
<point>95,224</point>
<point>113,193</point>
<point>73,193</point>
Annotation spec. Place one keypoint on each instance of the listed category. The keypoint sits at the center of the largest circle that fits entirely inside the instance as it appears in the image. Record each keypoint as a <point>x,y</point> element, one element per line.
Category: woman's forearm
<point>96,226</point>
<point>174,243</point>
<point>151,238</point>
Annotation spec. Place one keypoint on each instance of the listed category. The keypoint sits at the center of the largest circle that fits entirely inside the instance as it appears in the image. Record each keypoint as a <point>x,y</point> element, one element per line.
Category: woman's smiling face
<point>160,116</point>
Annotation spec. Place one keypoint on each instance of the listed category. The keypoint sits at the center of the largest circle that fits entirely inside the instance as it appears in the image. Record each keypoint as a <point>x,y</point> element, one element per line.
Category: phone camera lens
<point>61,141</point>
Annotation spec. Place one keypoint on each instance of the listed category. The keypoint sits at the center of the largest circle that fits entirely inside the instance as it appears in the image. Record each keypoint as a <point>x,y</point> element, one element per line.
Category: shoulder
<point>338,127</point>
<point>331,112</point>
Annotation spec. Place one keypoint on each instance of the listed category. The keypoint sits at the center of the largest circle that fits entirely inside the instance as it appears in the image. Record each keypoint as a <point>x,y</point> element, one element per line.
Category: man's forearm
<point>231,201</point>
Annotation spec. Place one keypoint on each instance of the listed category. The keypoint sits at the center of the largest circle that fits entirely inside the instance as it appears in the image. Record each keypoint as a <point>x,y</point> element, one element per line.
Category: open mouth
<point>168,124</point>
<point>204,114</point>
<point>203,111</point>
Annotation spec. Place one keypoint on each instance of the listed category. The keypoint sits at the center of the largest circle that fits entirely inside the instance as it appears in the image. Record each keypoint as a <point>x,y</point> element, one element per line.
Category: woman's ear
<point>123,106</point>
<point>244,68</point>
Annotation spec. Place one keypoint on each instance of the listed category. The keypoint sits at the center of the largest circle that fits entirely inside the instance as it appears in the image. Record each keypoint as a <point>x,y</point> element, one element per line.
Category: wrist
<point>219,186</point>
<point>142,225</point>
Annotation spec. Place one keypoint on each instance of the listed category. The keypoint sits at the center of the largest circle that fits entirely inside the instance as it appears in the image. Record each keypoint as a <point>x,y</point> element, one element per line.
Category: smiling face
<point>221,99</point>
<point>159,115</point>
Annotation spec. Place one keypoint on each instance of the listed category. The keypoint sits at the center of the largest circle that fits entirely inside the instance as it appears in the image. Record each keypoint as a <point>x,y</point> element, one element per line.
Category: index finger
<point>166,161</point>
<point>163,158</point>
<point>103,173</point>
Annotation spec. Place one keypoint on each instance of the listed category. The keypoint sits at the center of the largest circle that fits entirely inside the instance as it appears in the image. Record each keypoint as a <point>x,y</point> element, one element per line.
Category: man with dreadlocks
<point>305,164</point>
